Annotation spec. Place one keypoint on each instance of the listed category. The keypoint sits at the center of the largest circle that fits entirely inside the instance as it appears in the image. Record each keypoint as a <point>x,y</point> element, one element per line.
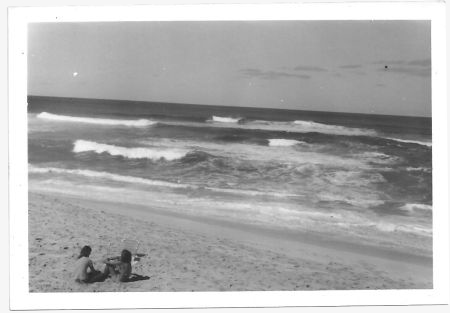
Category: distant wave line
<point>98,121</point>
<point>285,126</point>
<point>311,126</point>
<point>296,126</point>
<point>301,127</point>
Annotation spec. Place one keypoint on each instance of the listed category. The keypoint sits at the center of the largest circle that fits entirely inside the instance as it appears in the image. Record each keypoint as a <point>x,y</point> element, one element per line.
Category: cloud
<point>310,68</point>
<point>390,62</point>
<point>417,62</point>
<point>417,67</point>
<point>413,71</point>
<point>351,66</point>
<point>251,72</point>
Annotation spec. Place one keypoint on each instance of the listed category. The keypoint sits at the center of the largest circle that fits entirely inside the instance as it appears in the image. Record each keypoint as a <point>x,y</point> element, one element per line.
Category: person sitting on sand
<point>84,269</point>
<point>119,268</point>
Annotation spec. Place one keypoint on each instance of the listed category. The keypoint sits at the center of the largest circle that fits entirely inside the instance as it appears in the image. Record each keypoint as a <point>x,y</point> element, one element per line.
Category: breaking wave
<point>130,153</point>
<point>419,169</point>
<point>293,126</point>
<point>105,175</point>
<point>98,121</point>
<point>283,142</point>
<point>417,207</point>
<point>151,182</point>
<point>221,119</point>
<point>309,126</point>
<point>286,126</point>
<point>415,229</point>
<point>423,143</point>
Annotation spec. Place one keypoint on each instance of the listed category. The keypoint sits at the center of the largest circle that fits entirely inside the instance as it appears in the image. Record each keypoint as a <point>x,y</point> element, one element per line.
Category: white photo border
<point>18,19</point>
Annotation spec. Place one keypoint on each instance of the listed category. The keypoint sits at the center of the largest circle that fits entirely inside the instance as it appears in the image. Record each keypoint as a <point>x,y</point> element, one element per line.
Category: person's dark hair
<point>125,256</point>
<point>85,251</point>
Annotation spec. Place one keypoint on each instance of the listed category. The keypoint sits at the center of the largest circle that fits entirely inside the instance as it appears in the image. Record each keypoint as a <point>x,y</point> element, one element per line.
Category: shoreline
<point>253,233</point>
<point>317,232</point>
<point>253,259</point>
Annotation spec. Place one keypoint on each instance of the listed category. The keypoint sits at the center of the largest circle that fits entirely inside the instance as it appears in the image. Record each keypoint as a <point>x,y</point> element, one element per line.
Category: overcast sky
<point>380,67</point>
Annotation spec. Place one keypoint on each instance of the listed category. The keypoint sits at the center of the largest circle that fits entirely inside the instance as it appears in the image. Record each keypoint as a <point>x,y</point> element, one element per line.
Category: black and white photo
<point>230,155</point>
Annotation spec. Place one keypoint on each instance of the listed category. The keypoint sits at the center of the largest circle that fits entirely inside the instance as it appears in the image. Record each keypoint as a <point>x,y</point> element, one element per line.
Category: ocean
<point>351,177</point>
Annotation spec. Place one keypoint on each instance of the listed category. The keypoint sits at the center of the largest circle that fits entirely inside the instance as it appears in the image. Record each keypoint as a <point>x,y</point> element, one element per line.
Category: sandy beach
<point>182,253</point>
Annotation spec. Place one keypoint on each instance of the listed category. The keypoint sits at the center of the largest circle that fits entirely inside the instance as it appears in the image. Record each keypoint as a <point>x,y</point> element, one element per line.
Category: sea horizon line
<point>222,106</point>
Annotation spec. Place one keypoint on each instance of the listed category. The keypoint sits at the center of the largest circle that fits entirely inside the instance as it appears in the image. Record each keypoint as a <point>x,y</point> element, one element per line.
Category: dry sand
<point>188,254</point>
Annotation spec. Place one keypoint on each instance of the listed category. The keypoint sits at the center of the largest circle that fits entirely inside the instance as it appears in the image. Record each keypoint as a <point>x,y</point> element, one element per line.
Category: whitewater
<point>98,121</point>
<point>131,153</point>
<point>230,122</point>
<point>359,177</point>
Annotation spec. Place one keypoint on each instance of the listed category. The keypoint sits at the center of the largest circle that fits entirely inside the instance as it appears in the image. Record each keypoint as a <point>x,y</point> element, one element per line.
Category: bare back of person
<point>81,267</point>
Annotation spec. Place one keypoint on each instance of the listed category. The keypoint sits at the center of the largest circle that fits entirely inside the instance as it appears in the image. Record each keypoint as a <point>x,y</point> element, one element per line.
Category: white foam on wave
<point>251,192</point>
<point>376,157</point>
<point>105,175</point>
<point>361,201</point>
<point>98,121</point>
<point>414,229</point>
<point>422,143</point>
<point>283,142</point>
<point>145,181</point>
<point>259,153</point>
<point>222,119</point>
<point>417,207</point>
<point>418,169</point>
<point>353,178</point>
<point>131,153</point>
<point>310,126</point>
<point>292,127</point>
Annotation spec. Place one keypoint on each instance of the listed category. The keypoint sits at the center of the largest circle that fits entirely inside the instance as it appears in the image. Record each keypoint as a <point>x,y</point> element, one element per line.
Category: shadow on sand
<point>136,277</point>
